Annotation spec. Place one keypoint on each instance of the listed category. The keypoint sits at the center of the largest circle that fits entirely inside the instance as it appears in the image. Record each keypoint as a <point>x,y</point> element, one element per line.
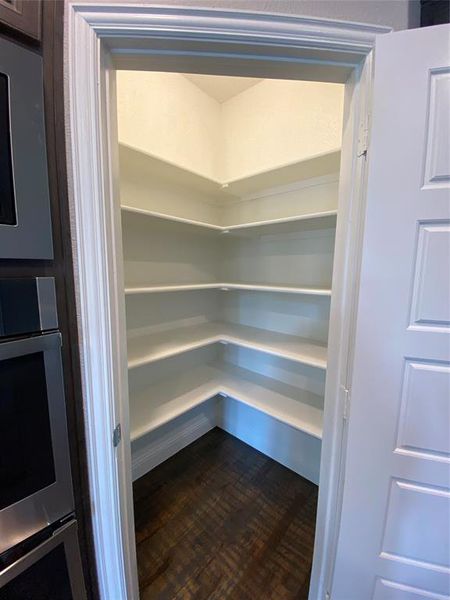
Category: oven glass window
<point>26,457</point>
<point>48,579</point>
<point>7,201</point>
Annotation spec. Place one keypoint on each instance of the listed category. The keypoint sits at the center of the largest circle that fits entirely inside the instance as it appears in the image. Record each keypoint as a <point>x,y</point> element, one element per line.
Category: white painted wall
<point>170,117</point>
<point>278,122</point>
<point>270,124</point>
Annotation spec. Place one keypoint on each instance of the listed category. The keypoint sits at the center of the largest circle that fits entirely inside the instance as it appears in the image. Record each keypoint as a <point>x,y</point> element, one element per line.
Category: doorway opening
<point>150,38</point>
<point>229,199</point>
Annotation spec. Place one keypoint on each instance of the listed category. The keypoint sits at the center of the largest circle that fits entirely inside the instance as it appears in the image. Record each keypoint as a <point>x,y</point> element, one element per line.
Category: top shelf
<point>315,166</point>
<point>318,165</point>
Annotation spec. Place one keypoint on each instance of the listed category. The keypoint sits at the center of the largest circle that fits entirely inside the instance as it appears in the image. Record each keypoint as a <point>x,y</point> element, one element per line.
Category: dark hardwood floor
<point>221,520</point>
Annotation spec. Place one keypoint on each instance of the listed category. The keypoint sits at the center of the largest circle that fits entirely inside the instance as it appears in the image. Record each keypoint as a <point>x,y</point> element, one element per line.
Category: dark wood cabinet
<point>38,26</point>
<point>23,16</point>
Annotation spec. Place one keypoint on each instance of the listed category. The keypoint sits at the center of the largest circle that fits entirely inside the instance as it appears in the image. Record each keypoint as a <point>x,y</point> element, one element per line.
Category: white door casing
<point>394,540</point>
<point>101,34</point>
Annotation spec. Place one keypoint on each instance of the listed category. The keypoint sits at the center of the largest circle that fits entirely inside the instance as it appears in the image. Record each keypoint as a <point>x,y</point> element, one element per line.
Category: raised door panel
<point>431,292</point>
<point>393,590</point>
<point>425,409</point>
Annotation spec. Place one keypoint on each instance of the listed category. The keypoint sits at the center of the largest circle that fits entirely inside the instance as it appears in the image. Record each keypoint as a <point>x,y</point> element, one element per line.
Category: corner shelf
<point>318,165</point>
<point>166,400</point>
<point>150,348</point>
<point>160,402</point>
<point>154,289</point>
<point>309,221</point>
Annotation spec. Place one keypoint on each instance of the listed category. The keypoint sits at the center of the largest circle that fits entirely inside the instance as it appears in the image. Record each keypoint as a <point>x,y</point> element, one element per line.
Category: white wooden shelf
<point>326,163</point>
<point>282,289</point>
<point>289,289</point>
<point>323,220</point>
<point>319,165</point>
<point>162,402</point>
<point>318,220</point>
<point>176,223</point>
<point>150,348</point>
<point>166,400</point>
<point>296,407</point>
<point>155,289</point>
<point>141,162</point>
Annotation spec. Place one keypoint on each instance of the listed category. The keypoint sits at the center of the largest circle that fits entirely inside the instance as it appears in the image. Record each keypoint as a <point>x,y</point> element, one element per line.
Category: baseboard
<point>159,445</point>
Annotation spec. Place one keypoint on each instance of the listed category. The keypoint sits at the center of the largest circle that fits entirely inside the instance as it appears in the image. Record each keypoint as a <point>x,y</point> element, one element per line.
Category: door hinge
<point>117,436</point>
<point>346,411</point>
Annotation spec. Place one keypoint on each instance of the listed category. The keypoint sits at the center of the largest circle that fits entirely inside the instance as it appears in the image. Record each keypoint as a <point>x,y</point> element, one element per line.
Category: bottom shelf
<point>164,401</point>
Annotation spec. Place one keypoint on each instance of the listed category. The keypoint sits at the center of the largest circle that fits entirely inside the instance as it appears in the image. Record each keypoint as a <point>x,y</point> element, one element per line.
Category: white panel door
<point>394,540</point>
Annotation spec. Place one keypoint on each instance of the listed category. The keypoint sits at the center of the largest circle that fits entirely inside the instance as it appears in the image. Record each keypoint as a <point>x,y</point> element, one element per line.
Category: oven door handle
<point>67,535</point>
<point>29,345</point>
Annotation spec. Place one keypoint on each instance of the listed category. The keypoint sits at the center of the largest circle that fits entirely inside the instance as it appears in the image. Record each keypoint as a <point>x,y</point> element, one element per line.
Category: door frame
<point>102,36</point>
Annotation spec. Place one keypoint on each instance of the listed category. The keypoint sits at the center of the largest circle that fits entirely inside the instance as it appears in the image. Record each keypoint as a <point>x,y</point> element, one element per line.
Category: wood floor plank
<point>220,520</point>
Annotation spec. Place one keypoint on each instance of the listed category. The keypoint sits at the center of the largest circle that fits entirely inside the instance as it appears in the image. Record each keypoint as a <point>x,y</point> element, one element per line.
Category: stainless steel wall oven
<point>36,496</point>
<point>36,487</point>
<point>25,223</point>
<point>51,570</point>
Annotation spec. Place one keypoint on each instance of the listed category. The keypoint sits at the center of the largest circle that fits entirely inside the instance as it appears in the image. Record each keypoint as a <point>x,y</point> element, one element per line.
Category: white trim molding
<point>131,21</point>
<point>146,36</point>
<point>97,299</point>
<point>100,37</point>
